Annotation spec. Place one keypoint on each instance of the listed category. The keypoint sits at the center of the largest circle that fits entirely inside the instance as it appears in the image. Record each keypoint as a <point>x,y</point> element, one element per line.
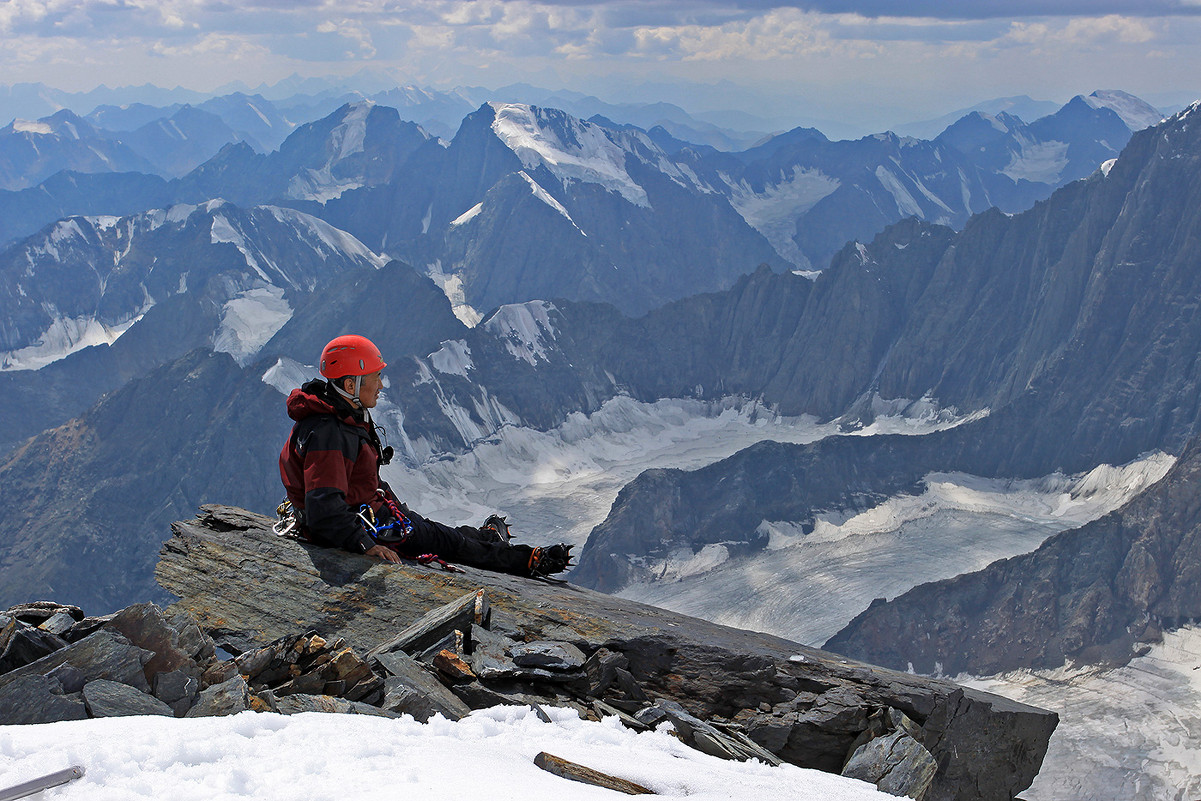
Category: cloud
<point>937,9</point>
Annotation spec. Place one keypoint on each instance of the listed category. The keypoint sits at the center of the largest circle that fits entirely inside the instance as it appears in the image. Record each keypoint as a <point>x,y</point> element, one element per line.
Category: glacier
<point>1127,733</point>
<point>805,587</point>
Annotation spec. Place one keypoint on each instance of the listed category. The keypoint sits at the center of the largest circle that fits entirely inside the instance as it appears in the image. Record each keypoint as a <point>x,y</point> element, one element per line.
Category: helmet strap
<point>358,384</point>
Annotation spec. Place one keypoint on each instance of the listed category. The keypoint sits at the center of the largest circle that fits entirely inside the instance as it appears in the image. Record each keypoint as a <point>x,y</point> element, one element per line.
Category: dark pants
<point>465,545</point>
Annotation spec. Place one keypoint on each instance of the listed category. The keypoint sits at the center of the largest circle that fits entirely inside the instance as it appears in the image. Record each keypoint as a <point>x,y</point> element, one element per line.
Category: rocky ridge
<point>486,638</point>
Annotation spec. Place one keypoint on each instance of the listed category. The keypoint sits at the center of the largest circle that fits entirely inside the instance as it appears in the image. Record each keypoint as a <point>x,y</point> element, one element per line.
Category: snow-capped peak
<point>1135,112</point>
<point>572,149</point>
<point>525,328</point>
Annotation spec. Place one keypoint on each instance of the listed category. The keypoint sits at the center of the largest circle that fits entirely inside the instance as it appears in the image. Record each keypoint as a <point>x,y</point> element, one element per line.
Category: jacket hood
<point>315,397</point>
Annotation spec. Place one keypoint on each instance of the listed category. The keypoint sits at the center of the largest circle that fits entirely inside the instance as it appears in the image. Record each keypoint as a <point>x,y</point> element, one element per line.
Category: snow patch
<point>62,338</point>
<point>454,358</point>
<point>525,328</point>
<point>451,285</point>
<point>1134,111</point>
<point>774,211</point>
<point>249,320</point>
<point>287,374</point>
<point>266,757</point>
<point>548,199</point>
<point>326,239</point>
<point>465,217</point>
<point>223,231</point>
<point>1106,166</point>
<point>1040,162</point>
<point>32,126</point>
<point>906,203</point>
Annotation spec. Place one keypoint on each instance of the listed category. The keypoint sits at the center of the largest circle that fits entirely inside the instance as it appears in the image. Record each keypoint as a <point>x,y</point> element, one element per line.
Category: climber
<point>331,470</point>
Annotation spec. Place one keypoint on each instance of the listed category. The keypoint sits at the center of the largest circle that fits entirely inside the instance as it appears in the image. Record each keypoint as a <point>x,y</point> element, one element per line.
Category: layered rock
<point>803,705</point>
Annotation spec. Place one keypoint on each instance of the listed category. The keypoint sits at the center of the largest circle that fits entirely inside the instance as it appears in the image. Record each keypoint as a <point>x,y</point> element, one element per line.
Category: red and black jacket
<point>330,466</point>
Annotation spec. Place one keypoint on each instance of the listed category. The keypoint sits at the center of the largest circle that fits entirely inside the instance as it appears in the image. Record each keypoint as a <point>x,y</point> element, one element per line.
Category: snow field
<point>487,755</point>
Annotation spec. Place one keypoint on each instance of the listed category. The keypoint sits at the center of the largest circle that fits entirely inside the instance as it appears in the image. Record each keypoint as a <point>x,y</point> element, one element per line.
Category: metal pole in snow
<point>43,783</point>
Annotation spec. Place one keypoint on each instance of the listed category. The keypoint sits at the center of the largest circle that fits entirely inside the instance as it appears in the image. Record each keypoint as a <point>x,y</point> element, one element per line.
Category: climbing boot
<point>495,529</point>
<point>549,560</point>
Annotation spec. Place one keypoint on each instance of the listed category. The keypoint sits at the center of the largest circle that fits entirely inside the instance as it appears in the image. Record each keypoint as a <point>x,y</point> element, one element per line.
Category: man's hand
<point>380,552</point>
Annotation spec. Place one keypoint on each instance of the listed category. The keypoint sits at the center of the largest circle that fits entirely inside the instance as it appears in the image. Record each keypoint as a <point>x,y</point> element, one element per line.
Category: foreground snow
<point>1126,733</point>
<point>489,755</point>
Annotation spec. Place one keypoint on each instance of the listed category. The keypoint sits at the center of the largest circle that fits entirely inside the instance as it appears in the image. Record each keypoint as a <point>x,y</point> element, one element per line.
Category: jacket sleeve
<point>328,460</point>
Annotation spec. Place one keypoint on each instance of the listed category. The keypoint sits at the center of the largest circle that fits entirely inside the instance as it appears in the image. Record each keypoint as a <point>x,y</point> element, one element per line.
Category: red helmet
<point>350,354</point>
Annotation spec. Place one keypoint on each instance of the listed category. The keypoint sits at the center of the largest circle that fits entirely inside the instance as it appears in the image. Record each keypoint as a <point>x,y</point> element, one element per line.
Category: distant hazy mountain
<point>1023,107</point>
<point>809,195</point>
<point>33,150</point>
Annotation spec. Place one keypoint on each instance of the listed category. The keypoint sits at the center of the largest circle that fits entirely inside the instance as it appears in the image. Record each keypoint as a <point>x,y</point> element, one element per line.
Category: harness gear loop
<point>289,520</point>
<point>392,533</point>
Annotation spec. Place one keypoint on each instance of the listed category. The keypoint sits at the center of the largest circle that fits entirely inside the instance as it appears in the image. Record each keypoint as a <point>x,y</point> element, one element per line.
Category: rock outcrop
<point>735,692</point>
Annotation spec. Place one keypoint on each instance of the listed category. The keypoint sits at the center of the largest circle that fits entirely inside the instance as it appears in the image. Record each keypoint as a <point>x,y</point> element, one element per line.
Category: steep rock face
<point>1088,595</point>
<point>232,574</point>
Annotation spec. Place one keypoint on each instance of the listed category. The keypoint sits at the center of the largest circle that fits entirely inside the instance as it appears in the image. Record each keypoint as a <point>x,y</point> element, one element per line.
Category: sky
<point>854,60</point>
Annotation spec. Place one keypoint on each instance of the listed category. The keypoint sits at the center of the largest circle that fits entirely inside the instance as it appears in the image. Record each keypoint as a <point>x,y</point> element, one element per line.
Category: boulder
<point>21,643</point>
<point>411,689</point>
<point>295,704</point>
<point>227,698</point>
<point>102,655</point>
<point>34,698</point>
<point>896,763</point>
<point>108,699</point>
<point>556,656</point>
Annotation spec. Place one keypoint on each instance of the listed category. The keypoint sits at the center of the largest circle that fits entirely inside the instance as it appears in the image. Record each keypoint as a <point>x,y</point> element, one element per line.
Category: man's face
<point>370,389</point>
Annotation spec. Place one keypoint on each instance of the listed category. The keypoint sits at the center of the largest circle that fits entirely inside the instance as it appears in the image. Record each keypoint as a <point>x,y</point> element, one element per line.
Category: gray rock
<point>177,689</point>
<point>145,626</point>
<point>108,699</point>
<point>192,641</point>
<point>479,696</point>
<point>437,624</point>
<point>58,624</point>
<point>490,654</point>
<point>295,704</point>
<point>32,699</point>
<point>896,763</point>
<point>252,663</point>
<point>601,668</point>
<point>69,677</point>
<point>411,689</point>
<point>228,698</point>
<point>37,612</point>
<point>21,644</point>
<point>560,656</point>
<point>102,655</point>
